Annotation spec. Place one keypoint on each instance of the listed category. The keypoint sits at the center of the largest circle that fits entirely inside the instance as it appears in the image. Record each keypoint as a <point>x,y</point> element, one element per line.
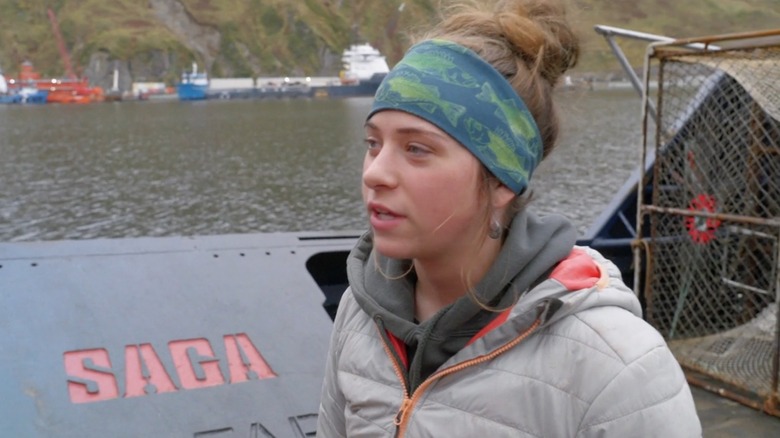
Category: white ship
<point>362,62</point>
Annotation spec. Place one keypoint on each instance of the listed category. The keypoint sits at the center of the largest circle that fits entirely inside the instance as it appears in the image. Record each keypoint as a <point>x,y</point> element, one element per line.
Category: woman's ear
<point>502,195</point>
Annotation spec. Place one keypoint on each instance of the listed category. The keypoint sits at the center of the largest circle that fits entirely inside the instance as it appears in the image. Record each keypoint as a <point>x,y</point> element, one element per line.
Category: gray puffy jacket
<point>572,358</point>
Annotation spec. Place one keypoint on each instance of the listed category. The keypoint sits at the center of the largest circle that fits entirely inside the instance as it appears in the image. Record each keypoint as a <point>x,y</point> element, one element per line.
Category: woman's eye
<point>371,143</point>
<point>417,150</point>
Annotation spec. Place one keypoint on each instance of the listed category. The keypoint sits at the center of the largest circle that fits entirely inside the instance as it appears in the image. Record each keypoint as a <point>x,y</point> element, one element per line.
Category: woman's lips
<point>383,218</point>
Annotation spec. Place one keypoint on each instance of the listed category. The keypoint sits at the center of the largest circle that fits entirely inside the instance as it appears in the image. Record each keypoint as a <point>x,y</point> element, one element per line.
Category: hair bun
<point>538,32</point>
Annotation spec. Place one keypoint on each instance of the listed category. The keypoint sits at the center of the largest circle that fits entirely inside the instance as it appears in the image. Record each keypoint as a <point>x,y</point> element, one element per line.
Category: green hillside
<point>679,19</point>
<point>157,39</point>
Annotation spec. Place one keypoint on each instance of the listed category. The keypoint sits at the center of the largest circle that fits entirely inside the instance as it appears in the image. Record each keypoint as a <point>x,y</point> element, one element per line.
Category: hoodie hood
<point>384,288</point>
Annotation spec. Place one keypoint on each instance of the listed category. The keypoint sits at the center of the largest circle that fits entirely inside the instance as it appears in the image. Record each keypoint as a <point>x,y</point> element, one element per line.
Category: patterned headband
<point>455,89</point>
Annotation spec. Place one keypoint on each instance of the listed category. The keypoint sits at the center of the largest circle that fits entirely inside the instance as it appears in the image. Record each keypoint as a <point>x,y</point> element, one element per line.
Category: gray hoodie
<point>534,245</point>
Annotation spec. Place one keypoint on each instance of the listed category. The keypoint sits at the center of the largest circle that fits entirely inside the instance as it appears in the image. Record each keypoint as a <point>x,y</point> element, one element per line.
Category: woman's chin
<point>392,249</point>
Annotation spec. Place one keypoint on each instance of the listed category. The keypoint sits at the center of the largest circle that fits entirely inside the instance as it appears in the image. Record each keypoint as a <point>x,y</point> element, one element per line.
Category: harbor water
<point>130,169</point>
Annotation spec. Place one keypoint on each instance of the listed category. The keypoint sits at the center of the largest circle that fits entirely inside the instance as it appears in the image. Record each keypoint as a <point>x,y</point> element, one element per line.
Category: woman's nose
<point>379,169</point>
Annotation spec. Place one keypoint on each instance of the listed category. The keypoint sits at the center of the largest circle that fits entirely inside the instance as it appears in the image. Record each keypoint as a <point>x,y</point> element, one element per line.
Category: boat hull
<point>35,97</point>
<point>189,91</point>
<point>201,335</point>
<point>361,89</point>
<point>10,98</point>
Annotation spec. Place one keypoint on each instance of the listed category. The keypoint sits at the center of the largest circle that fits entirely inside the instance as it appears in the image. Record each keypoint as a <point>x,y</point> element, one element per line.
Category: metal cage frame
<point>710,258</point>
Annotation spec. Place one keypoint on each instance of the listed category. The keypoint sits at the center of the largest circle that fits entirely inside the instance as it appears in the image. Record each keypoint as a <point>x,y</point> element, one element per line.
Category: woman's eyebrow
<point>413,130</point>
<point>407,130</point>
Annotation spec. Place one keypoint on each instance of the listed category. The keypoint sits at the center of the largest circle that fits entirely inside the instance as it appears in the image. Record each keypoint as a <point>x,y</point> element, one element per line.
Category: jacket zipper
<point>407,404</point>
<point>398,373</point>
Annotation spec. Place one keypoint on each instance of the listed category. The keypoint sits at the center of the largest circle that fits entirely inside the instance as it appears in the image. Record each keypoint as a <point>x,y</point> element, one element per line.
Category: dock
<point>724,418</point>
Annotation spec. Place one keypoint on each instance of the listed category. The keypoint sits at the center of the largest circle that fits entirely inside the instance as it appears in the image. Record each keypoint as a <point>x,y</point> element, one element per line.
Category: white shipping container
<point>231,83</point>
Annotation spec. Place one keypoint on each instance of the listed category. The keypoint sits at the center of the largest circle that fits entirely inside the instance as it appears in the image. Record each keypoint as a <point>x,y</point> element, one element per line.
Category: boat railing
<point>610,34</point>
<point>615,227</point>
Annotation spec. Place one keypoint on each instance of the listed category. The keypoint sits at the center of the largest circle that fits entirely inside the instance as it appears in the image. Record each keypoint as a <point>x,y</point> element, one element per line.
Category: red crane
<point>61,45</point>
<point>72,89</point>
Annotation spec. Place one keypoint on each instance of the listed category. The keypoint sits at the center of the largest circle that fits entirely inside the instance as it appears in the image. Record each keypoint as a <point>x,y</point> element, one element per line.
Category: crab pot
<point>713,254</point>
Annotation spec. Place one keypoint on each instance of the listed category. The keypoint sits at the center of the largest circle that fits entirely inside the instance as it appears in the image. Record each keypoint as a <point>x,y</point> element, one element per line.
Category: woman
<point>467,315</point>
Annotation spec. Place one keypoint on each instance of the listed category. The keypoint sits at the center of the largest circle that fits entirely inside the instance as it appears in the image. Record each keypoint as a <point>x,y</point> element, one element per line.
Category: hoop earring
<point>496,230</point>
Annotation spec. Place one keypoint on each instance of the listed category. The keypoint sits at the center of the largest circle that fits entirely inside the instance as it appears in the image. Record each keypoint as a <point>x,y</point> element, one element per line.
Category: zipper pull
<point>399,417</point>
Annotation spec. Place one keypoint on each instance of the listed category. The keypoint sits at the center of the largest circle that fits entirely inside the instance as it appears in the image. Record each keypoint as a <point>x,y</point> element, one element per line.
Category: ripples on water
<point>172,168</point>
<point>600,146</point>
